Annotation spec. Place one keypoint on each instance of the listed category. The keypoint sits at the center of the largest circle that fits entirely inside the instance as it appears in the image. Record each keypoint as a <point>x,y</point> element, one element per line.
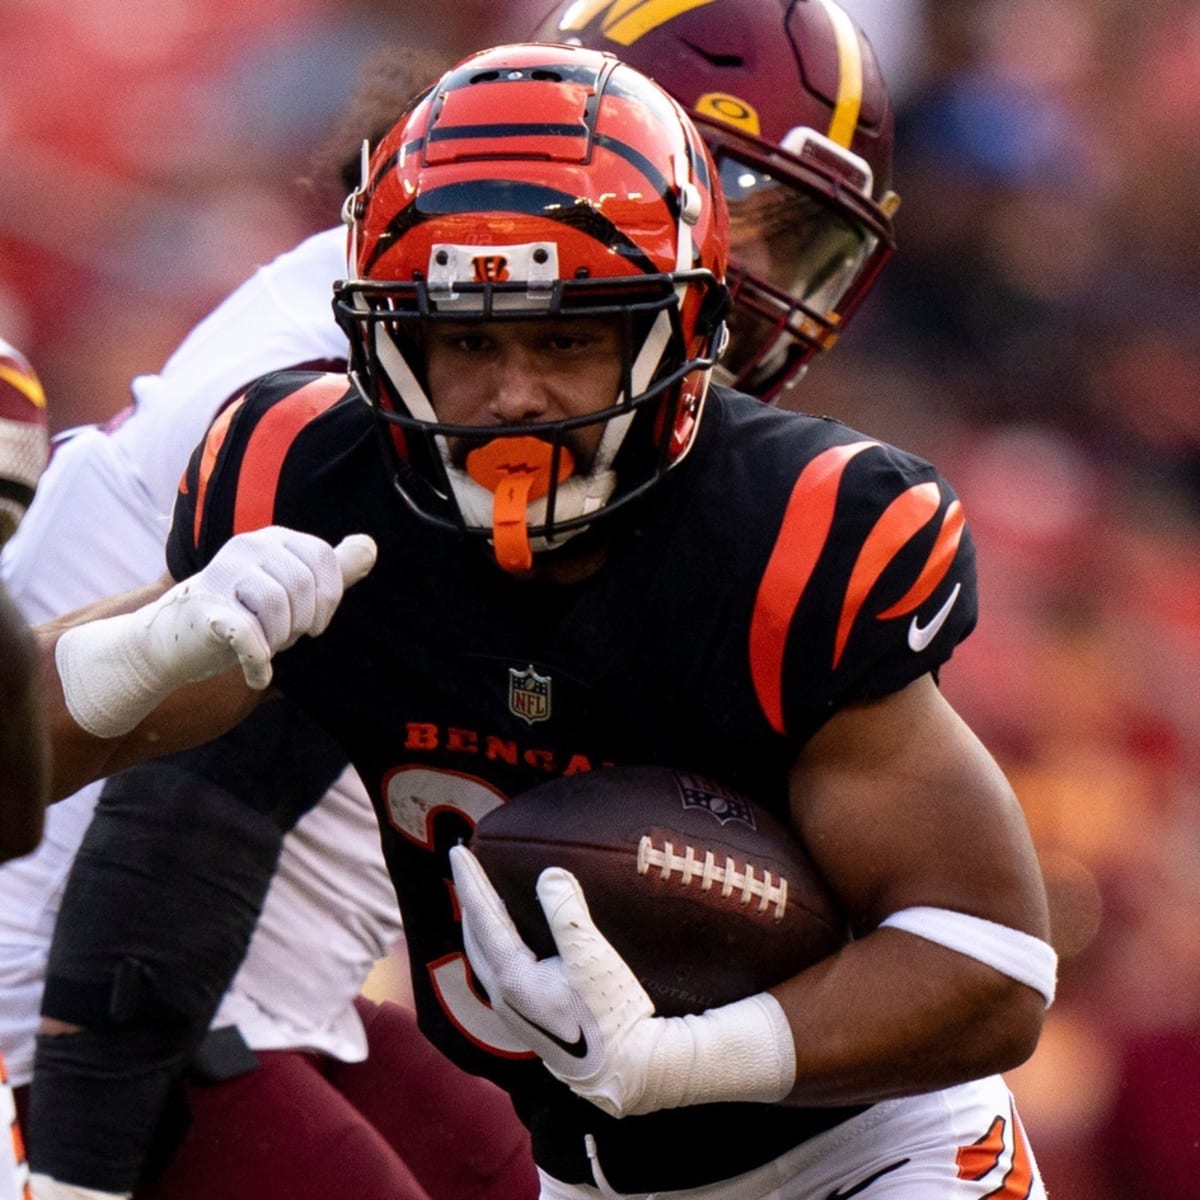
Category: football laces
<point>769,890</point>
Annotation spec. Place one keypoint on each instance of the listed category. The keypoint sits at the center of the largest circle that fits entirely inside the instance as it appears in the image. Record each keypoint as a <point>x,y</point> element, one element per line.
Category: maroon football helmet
<point>24,440</point>
<point>789,96</point>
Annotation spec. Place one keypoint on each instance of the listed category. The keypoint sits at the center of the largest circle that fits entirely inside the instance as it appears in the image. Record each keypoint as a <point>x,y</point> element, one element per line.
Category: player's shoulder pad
<point>280,401</point>
<point>234,476</point>
<point>871,577</point>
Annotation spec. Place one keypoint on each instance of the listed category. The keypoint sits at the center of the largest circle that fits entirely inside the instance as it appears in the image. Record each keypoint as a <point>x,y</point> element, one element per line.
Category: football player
<point>24,748</point>
<point>764,110</point>
<point>530,481</point>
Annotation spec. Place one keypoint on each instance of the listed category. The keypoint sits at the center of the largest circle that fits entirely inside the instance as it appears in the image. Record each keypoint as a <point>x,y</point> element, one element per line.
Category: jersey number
<point>414,797</point>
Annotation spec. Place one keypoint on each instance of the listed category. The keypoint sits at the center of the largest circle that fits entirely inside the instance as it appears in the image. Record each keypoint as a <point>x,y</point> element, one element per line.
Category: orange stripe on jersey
<point>1018,1183</point>
<point>217,433</point>
<point>934,571</point>
<point>802,536</point>
<point>268,445</point>
<point>899,521</point>
<point>20,1175</point>
<point>976,1160</point>
<point>19,1158</point>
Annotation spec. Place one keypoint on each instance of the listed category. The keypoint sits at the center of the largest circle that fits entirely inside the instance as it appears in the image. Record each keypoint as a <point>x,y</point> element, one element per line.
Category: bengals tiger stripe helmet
<point>537,181</point>
<point>789,96</point>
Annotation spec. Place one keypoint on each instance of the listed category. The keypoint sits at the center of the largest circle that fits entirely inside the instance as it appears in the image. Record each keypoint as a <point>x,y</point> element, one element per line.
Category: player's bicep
<point>902,806</point>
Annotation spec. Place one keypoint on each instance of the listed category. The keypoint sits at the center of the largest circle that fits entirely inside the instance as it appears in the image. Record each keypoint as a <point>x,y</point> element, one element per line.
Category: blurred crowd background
<point>1037,335</point>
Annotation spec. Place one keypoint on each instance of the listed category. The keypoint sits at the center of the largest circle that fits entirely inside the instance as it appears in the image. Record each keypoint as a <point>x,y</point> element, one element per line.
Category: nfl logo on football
<point>725,805</point>
<point>528,694</point>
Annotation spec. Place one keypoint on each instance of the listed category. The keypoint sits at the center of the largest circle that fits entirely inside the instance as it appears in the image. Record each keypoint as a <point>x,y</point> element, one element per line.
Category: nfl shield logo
<point>698,792</point>
<point>528,694</point>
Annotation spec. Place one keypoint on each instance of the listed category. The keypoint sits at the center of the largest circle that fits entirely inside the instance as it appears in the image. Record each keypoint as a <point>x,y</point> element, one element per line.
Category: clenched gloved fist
<point>261,593</point>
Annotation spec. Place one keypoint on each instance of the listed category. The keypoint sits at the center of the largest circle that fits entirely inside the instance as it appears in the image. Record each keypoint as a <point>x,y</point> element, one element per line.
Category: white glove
<point>260,594</point>
<point>592,1023</point>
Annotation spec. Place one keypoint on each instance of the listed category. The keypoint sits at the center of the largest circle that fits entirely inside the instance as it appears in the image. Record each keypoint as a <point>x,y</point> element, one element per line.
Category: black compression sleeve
<point>156,916</point>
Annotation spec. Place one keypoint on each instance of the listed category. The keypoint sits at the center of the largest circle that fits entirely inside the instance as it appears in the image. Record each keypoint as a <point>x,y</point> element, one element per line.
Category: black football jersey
<point>786,567</point>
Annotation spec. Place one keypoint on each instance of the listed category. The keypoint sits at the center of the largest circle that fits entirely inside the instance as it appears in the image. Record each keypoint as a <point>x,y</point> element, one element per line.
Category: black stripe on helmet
<point>500,195</point>
<point>499,132</point>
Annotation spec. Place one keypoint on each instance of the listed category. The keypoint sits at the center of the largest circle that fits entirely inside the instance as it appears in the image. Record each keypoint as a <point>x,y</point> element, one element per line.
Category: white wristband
<point>109,681</point>
<point>1020,956</point>
<point>742,1051</point>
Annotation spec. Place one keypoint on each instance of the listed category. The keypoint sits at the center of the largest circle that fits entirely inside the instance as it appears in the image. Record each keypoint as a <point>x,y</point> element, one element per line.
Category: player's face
<point>505,373</point>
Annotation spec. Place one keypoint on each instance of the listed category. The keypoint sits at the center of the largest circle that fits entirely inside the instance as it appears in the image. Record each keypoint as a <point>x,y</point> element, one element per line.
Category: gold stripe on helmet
<point>28,386</point>
<point>850,76</point>
<point>627,20</point>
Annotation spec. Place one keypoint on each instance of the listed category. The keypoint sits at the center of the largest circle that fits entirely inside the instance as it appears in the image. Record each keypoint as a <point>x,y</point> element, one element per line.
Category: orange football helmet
<point>537,181</point>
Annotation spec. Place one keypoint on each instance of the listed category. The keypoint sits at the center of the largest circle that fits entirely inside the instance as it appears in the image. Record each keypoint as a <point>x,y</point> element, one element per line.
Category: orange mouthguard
<point>516,470</point>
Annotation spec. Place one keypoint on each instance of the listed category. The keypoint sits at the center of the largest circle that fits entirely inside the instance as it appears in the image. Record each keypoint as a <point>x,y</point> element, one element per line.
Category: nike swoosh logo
<point>862,1185</point>
<point>576,1049</point>
<point>919,636</point>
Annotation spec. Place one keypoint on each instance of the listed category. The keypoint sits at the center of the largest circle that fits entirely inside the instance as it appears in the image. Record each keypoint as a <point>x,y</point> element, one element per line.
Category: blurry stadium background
<point>1038,336</point>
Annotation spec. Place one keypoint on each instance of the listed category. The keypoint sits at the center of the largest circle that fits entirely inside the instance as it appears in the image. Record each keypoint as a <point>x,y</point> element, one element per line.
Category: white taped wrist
<point>1020,956</point>
<point>260,594</point>
<point>43,1187</point>
<point>118,670</point>
<point>742,1051</point>
<point>110,682</point>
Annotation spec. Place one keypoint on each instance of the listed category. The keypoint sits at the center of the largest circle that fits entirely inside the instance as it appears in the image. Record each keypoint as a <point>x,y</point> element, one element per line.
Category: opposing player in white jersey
<point>310,950</point>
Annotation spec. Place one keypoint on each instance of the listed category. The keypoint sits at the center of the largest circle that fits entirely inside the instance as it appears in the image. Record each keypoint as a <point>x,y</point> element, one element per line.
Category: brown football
<point>705,895</point>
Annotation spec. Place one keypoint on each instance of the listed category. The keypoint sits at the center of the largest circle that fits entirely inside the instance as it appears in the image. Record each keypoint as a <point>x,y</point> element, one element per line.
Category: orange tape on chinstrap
<point>516,470</point>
